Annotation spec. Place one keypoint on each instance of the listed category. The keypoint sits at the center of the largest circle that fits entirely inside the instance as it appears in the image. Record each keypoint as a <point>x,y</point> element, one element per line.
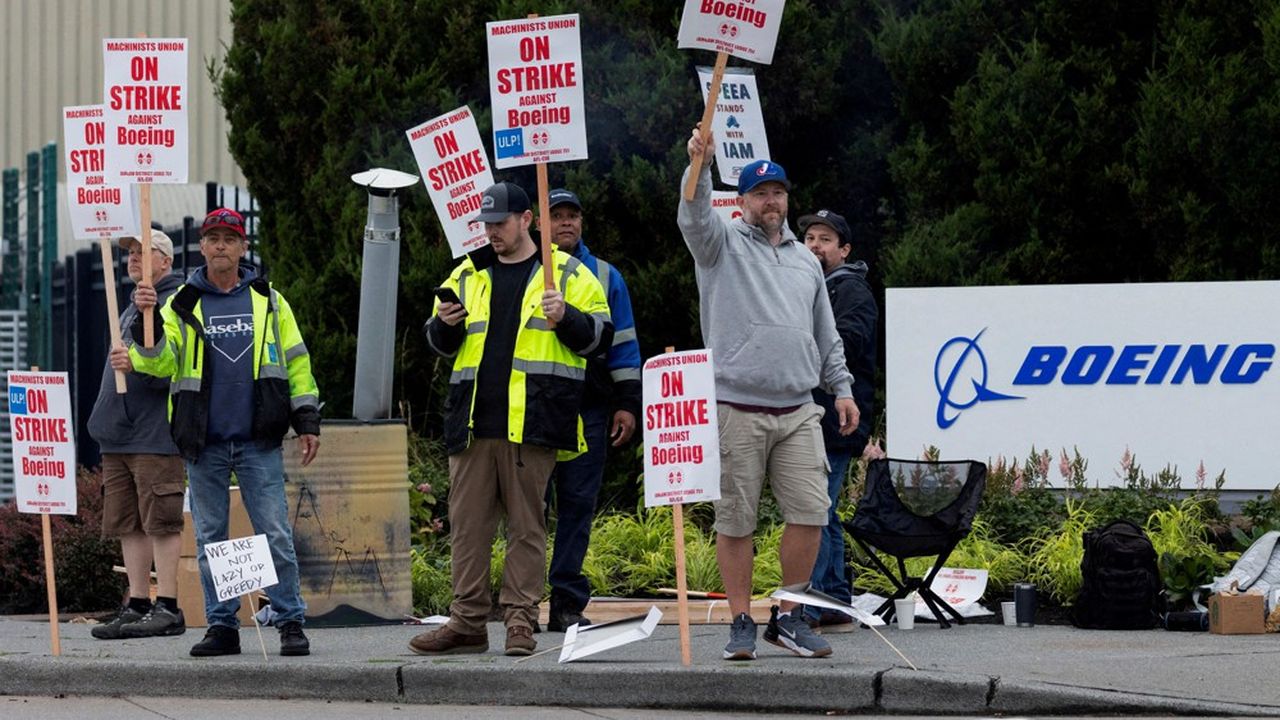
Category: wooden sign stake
<point>148,319</point>
<point>50,580</point>
<point>682,590</point>
<point>113,307</point>
<point>704,128</point>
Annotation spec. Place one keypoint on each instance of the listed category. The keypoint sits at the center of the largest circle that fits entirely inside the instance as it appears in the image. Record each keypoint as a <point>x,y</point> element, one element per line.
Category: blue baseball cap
<point>761,171</point>
<point>560,196</point>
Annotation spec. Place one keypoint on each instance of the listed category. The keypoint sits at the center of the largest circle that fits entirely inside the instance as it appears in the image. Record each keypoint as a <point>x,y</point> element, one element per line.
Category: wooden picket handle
<point>144,237</point>
<point>544,224</point>
<point>113,307</point>
<point>704,128</point>
<point>50,579</point>
<point>682,589</point>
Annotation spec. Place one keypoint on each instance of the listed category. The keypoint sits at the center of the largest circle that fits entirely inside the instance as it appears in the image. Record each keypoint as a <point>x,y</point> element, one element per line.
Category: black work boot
<point>218,640</point>
<point>292,639</point>
<point>561,619</point>
<point>111,630</point>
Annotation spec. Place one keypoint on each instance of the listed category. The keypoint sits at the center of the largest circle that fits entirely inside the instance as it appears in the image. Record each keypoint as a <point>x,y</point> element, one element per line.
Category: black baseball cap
<point>560,196</point>
<point>501,200</point>
<point>831,220</point>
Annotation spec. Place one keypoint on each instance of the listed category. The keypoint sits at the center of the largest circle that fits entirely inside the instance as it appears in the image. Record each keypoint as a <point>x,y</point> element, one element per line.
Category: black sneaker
<point>742,639</point>
<point>292,639</point>
<point>793,633</point>
<point>157,622</point>
<point>563,620</point>
<point>111,630</point>
<point>218,640</point>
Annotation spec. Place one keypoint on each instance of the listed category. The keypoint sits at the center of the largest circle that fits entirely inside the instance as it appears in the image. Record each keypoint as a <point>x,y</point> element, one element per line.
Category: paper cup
<point>1010,611</point>
<point>905,610</point>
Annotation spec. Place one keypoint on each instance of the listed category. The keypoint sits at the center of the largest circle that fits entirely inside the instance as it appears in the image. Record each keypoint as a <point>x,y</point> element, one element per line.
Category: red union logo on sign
<point>729,29</point>
<point>144,158</point>
<point>675,477</point>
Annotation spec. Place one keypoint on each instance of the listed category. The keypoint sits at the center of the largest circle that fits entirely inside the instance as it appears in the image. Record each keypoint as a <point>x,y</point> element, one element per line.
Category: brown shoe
<point>520,640</point>
<point>444,641</point>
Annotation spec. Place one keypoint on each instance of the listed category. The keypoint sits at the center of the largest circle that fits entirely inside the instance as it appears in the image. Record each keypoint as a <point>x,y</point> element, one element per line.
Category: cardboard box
<point>190,595</point>
<point>1236,615</point>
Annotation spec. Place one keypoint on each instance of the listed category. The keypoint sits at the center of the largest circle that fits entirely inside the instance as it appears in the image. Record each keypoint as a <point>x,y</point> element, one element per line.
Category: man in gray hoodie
<point>767,319</point>
<point>142,473</point>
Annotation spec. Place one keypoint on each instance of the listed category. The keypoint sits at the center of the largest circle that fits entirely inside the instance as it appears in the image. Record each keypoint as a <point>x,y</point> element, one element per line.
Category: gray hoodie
<point>765,312</point>
<point>138,421</point>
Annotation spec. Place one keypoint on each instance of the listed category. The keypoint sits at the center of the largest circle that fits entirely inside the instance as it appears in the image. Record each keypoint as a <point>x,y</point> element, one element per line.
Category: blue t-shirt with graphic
<point>228,331</point>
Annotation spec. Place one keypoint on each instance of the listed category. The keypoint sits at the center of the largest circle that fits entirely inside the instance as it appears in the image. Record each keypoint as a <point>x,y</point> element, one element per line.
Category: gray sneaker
<point>158,622</point>
<point>793,633</point>
<point>742,639</point>
<point>111,630</point>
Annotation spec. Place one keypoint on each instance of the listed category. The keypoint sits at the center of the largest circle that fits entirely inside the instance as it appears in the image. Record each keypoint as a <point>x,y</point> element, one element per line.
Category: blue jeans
<point>260,472</point>
<point>830,574</point>
<point>575,484</point>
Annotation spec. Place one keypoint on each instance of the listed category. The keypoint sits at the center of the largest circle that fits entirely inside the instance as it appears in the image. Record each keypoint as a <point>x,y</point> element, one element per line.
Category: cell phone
<point>446,295</point>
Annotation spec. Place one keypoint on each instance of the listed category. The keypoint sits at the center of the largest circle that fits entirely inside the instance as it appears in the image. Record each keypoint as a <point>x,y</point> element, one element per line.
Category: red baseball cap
<point>224,218</point>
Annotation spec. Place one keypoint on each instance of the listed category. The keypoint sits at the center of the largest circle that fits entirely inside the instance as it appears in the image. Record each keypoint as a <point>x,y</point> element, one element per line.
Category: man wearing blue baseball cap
<point>766,316</point>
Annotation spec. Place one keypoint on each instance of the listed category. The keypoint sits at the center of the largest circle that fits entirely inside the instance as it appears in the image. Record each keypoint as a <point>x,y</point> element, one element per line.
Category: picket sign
<point>240,566</point>
<point>50,581</point>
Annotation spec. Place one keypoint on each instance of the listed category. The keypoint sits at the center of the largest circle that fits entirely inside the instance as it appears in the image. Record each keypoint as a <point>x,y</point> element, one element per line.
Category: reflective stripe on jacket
<point>284,390</point>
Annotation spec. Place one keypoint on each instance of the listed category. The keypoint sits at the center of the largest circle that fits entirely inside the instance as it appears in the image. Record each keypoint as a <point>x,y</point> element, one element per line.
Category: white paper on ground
<point>806,595</point>
<point>431,620</point>
<point>582,641</point>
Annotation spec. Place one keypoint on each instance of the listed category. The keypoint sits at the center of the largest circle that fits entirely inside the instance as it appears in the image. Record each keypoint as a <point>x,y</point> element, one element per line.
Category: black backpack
<point>1121,588</point>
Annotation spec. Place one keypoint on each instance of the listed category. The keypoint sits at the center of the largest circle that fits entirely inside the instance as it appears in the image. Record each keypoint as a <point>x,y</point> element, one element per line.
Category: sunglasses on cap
<point>224,217</point>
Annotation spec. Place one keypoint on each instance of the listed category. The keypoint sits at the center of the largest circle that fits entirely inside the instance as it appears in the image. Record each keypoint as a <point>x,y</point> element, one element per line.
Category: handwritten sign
<point>145,110</point>
<point>738,123</point>
<point>535,86</point>
<point>44,448</point>
<point>98,210</point>
<point>681,439</point>
<point>453,164</point>
<point>746,29</point>
<point>240,566</point>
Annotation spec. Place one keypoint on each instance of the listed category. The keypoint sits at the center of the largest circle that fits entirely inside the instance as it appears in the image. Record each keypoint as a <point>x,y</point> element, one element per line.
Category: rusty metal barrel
<point>350,514</point>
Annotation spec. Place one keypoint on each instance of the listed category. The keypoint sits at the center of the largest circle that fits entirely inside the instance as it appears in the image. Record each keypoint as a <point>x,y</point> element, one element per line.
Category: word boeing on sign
<point>746,29</point>
<point>681,440</point>
<point>98,210</point>
<point>1177,373</point>
<point>535,85</point>
<point>145,110</point>
<point>455,169</point>
<point>44,450</point>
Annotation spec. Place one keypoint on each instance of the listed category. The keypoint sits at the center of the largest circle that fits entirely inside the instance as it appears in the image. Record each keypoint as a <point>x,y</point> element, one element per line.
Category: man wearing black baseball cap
<point>610,406</point>
<point>519,364</point>
<point>828,237</point>
<point>766,316</point>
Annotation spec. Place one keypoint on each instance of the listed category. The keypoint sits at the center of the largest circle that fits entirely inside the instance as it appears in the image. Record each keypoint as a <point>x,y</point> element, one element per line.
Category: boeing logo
<point>961,359</point>
<point>961,354</point>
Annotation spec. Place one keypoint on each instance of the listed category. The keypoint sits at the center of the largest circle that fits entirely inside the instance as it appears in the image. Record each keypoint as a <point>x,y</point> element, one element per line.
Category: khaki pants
<point>488,479</point>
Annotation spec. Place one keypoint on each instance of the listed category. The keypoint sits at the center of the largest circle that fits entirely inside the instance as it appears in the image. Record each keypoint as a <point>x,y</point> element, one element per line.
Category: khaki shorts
<point>788,449</point>
<point>142,493</point>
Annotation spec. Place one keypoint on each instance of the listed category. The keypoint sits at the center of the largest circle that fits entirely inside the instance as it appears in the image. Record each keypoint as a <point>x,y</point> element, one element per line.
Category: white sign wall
<point>1177,373</point>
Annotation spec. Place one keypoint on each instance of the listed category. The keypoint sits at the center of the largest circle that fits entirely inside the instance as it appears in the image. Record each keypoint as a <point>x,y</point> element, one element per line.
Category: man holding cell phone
<point>519,367</point>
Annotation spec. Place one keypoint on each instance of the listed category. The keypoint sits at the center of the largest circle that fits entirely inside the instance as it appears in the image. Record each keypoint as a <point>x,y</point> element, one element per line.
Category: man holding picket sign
<point>766,316</point>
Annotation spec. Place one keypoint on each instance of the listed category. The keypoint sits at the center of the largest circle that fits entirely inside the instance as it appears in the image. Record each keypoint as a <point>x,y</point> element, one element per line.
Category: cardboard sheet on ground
<point>583,641</point>
<point>805,594</point>
<point>738,124</point>
<point>240,566</point>
<point>959,587</point>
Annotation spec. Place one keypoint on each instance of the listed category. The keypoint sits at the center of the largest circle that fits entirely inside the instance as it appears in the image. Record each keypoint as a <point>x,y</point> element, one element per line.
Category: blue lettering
<point>1087,364</point>
<point>1164,361</point>
<point>1130,359</point>
<point>1235,372</point>
<point>1041,365</point>
<point>1198,365</point>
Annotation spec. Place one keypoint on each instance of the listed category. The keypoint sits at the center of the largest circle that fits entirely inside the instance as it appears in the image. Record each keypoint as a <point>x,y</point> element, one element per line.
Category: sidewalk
<point>975,669</point>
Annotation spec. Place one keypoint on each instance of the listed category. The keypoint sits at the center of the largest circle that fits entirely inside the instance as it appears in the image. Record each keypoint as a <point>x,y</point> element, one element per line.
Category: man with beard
<point>766,317</point>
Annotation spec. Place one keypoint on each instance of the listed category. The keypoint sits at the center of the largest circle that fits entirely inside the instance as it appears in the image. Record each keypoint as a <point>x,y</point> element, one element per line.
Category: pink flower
<point>425,488</point>
<point>437,525</point>
<point>1064,465</point>
<point>1044,464</point>
<point>1018,480</point>
<point>873,450</point>
<point>1126,461</point>
<point>1200,475</point>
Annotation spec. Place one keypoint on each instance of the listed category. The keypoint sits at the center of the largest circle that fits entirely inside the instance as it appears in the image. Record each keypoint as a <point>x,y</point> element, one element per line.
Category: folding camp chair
<point>915,508</point>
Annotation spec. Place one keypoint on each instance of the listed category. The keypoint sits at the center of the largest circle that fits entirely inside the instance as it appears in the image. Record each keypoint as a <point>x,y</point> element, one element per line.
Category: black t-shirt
<point>494,375</point>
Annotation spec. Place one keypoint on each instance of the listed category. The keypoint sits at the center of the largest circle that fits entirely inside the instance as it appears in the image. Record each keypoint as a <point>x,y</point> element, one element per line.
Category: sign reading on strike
<point>455,168</point>
<point>145,110</point>
<point>725,203</point>
<point>44,449</point>
<point>240,566</point>
<point>738,124</point>
<point>98,210</point>
<point>746,29</point>
<point>681,439</point>
<point>535,85</point>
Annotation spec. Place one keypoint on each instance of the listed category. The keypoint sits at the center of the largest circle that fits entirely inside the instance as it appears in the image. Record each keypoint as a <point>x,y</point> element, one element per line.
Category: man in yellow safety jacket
<point>520,357</point>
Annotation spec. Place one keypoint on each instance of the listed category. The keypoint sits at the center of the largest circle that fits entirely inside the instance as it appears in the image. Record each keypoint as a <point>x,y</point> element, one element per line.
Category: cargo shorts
<point>142,493</point>
<point>788,449</point>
